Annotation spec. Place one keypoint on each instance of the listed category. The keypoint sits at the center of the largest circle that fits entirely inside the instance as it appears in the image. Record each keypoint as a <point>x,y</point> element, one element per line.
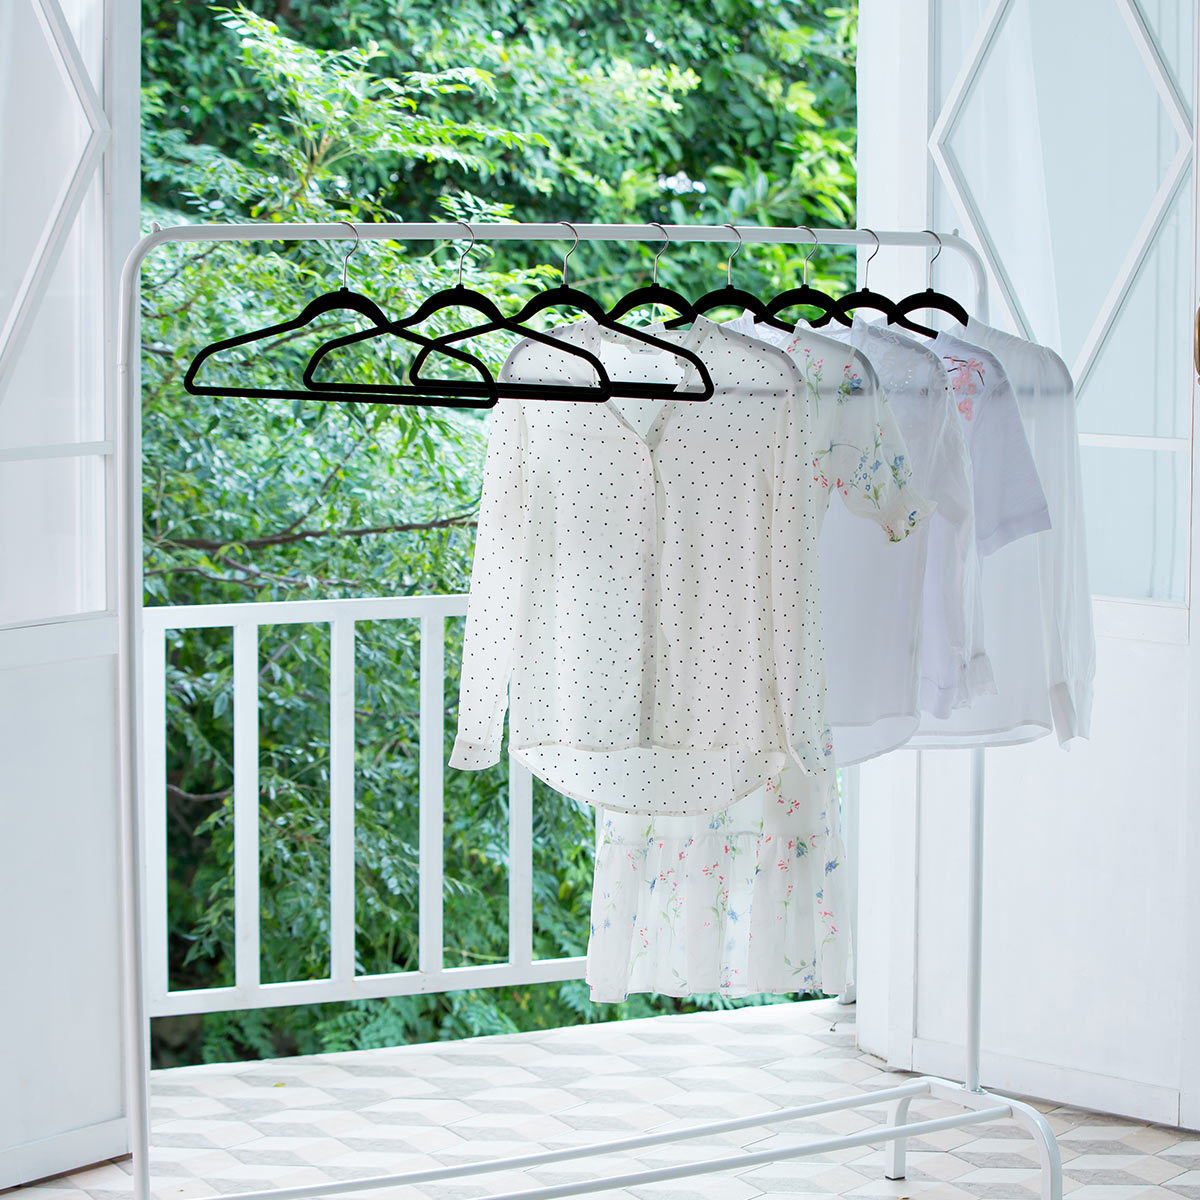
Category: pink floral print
<point>962,372</point>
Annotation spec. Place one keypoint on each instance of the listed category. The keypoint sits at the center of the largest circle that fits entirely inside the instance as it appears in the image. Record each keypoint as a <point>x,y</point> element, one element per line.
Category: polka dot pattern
<point>645,586</point>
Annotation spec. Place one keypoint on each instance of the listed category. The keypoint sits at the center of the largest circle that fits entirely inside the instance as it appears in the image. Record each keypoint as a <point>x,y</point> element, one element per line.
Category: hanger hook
<point>867,267</point>
<point>566,257</point>
<point>462,258</point>
<point>816,243</point>
<point>662,249</point>
<point>736,251</point>
<point>346,260</point>
<point>929,280</point>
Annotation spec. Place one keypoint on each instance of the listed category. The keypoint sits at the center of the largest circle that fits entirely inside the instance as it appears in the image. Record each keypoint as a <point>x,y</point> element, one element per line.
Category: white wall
<point>1091,994</point>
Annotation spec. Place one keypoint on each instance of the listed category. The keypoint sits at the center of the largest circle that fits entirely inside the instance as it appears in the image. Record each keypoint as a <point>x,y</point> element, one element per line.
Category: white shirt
<point>1035,591</point>
<point>872,594</point>
<point>645,572</point>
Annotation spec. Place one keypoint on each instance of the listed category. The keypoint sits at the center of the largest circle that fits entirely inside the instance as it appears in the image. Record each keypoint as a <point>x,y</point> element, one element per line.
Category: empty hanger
<point>459,296</point>
<point>336,301</point>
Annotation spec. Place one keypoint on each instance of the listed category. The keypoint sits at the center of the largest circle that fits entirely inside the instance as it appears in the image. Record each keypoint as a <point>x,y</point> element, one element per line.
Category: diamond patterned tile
<point>229,1127</point>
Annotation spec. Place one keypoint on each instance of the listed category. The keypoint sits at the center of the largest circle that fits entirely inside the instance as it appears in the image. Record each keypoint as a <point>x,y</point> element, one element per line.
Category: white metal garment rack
<point>978,1105</point>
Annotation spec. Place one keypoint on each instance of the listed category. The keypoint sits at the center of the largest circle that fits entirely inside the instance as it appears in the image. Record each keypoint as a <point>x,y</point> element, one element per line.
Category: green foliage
<point>396,109</point>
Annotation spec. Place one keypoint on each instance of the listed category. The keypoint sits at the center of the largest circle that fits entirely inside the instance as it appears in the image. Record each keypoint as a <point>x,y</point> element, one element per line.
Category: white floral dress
<point>747,899</point>
<point>751,898</point>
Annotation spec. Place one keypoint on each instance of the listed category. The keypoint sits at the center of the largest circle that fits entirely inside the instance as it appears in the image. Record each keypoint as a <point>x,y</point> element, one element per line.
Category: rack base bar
<point>914,1088</point>
<point>867,1137</point>
<point>1024,1114</point>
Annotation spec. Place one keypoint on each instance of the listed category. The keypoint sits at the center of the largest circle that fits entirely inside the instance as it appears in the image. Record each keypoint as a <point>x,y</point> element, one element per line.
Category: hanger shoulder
<point>563,296</point>
<point>806,294</point>
<point>453,297</point>
<point>652,293</point>
<point>343,298</point>
<point>931,299</point>
<point>863,298</point>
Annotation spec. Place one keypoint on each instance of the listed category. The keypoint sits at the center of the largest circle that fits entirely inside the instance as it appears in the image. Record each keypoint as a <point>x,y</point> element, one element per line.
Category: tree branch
<point>180,794</point>
<point>463,521</point>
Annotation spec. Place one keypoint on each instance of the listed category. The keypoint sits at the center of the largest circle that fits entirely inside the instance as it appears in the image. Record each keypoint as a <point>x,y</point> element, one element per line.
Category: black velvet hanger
<point>928,299</point>
<point>419,386</point>
<point>729,296</point>
<point>654,293</point>
<point>564,296</point>
<point>342,299</point>
<point>804,294</point>
<point>864,297</point>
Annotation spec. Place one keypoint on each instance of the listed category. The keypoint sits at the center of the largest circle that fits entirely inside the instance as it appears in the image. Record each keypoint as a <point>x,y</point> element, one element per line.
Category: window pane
<point>54,564</point>
<point>1136,504</point>
<point>1141,382</point>
<point>42,136</point>
<point>55,394</point>
<point>1062,221</point>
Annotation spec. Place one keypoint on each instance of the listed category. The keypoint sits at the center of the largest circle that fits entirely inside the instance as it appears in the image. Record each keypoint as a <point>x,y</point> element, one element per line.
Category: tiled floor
<point>219,1129</point>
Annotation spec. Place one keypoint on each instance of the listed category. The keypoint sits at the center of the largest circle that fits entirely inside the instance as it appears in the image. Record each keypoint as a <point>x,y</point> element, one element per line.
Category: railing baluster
<point>341,798</point>
<point>154,810</point>
<point>520,864</point>
<point>246,910</point>
<point>432,766</point>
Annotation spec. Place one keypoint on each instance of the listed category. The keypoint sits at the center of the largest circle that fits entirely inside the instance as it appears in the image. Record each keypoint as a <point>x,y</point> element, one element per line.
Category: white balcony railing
<point>248,990</point>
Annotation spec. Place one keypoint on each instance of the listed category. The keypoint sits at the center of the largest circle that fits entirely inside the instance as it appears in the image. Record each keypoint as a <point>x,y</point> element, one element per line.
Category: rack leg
<point>1039,1128</point>
<point>975,923</point>
<point>896,1151</point>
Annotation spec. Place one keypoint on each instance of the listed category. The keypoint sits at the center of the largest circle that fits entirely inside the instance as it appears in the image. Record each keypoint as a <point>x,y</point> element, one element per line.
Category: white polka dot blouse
<point>644,595</point>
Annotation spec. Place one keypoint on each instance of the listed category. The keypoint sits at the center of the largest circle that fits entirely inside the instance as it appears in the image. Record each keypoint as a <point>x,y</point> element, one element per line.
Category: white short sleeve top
<point>1009,500</point>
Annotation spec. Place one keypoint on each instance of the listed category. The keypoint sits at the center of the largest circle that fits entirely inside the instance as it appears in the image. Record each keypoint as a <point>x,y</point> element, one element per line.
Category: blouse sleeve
<point>860,453</point>
<point>1069,635</point>
<point>498,585</point>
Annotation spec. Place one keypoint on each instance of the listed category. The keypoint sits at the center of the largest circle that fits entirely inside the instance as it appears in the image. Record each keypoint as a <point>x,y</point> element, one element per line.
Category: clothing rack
<point>978,1104</point>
